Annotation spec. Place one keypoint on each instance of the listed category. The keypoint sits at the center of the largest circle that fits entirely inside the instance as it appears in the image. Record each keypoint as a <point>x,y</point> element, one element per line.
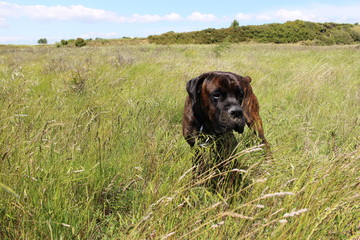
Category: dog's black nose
<point>235,112</point>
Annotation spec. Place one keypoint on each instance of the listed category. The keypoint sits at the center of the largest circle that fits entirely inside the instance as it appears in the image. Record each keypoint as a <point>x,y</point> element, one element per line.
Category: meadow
<point>91,144</point>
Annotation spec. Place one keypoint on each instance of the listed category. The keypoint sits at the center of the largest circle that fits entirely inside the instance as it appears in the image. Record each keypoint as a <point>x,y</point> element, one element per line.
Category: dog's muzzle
<point>235,112</point>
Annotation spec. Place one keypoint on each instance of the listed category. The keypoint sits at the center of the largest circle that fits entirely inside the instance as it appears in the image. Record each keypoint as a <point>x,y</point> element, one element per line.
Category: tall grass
<point>90,144</point>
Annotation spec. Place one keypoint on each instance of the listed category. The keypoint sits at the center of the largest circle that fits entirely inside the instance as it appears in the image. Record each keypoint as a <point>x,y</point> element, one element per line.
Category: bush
<point>42,41</point>
<point>342,37</point>
<point>355,35</point>
<point>235,23</point>
<point>80,42</point>
<point>325,40</point>
<point>64,42</point>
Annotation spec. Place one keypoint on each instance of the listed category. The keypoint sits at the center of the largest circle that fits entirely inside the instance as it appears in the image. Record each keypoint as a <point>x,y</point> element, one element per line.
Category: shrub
<point>235,23</point>
<point>64,42</point>
<point>325,40</point>
<point>342,37</point>
<point>80,42</point>
<point>355,35</point>
<point>42,41</point>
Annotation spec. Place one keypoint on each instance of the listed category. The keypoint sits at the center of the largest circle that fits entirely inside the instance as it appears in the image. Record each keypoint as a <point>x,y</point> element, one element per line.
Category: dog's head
<point>218,101</point>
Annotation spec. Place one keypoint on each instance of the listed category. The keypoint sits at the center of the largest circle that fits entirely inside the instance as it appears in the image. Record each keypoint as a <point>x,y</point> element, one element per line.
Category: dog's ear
<point>247,79</point>
<point>193,87</point>
<point>250,106</point>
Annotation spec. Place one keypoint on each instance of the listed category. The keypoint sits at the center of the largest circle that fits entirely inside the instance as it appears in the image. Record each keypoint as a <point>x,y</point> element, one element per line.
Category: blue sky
<point>25,21</point>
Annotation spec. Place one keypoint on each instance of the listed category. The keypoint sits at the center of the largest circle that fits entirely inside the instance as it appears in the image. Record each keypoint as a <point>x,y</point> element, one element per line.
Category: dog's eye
<point>240,95</point>
<point>216,96</point>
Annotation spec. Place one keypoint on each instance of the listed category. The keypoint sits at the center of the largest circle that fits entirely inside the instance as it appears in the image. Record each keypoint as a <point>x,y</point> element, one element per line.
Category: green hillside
<point>289,32</point>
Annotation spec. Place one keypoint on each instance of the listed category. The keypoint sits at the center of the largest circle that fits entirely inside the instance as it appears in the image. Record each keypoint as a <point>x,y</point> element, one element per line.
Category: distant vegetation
<point>235,23</point>
<point>80,42</point>
<point>42,41</point>
<point>309,33</point>
<point>306,33</point>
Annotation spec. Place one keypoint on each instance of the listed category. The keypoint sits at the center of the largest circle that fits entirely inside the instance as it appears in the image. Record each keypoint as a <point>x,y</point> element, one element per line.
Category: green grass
<point>91,145</point>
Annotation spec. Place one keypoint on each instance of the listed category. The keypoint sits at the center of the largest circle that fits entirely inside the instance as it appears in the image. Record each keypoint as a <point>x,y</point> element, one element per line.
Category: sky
<point>26,21</point>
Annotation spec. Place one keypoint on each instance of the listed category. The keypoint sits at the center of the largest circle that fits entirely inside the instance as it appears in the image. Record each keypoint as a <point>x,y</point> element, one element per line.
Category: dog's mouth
<point>231,124</point>
<point>239,128</point>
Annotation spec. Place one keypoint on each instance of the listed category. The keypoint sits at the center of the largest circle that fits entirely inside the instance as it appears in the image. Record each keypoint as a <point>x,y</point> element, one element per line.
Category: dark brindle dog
<point>217,104</point>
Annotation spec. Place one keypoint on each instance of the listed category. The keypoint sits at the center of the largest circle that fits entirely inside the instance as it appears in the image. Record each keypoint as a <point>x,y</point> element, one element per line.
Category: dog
<point>217,104</point>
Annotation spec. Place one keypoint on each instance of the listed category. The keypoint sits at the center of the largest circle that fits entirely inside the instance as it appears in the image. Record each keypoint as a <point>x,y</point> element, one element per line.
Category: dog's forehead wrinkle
<point>222,80</point>
<point>231,81</point>
<point>224,83</point>
<point>212,84</point>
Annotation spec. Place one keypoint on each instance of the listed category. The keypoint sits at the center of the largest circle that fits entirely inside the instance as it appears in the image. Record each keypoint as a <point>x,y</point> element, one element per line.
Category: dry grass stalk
<point>295,213</point>
<point>235,215</point>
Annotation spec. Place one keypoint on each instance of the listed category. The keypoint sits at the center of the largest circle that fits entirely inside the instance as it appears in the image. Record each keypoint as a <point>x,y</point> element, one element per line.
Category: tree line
<point>289,32</point>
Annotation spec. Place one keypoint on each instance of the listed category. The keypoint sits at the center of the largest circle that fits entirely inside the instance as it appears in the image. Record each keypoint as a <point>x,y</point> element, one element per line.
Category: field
<point>91,145</point>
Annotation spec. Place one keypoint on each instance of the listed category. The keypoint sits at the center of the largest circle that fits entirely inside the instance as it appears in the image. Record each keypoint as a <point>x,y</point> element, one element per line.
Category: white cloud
<point>76,13</point>
<point>289,15</point>
<point>60,13</point>
<point>173,17</point>
<point>264,17</point>
<point>313,12</point>
<point>197,16</point>
<point>326,12</point>
<point>242,16</point>
<point>322,13</point>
